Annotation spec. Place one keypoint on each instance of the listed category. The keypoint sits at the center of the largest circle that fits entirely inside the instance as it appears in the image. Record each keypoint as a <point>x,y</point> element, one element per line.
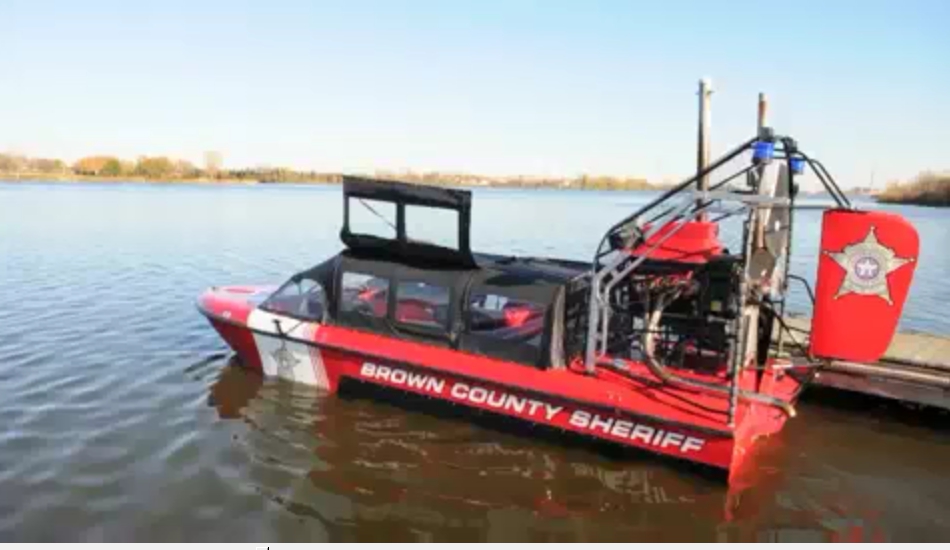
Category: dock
<point>915,369</point>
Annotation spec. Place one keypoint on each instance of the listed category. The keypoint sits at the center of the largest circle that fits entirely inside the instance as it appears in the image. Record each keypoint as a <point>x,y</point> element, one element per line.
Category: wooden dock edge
<point>915,368</point>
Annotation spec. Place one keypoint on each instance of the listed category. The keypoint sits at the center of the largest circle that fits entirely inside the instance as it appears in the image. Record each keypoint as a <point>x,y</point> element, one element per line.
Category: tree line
<point>160,168</point>
<point>583,181</point>
<point>927,189</point>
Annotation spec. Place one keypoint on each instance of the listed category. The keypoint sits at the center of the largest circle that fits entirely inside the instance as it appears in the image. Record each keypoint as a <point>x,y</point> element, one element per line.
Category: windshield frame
<point>301,296</point>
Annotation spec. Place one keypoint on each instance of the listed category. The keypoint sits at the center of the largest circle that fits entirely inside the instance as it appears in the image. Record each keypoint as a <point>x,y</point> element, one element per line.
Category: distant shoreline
<point>119,180</point>
<point>917,202</point>
<point>927,189</point>
<point>111,169</point>
<point>75,179</point>
<point>580,184</point>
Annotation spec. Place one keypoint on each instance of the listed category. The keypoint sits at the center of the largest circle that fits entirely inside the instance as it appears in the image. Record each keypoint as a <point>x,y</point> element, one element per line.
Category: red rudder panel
<point>864,273</point>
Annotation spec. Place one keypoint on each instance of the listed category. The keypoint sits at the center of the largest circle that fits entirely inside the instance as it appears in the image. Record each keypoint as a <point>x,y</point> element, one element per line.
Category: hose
<point>668,377</point>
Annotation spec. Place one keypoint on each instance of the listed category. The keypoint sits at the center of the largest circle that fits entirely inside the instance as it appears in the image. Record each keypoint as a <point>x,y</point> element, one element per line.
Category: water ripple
<point>125,419</point>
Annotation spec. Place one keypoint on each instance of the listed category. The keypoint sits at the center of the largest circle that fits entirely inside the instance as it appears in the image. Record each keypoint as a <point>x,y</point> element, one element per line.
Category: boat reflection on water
<point>345,467</point>
<point>370,470</point>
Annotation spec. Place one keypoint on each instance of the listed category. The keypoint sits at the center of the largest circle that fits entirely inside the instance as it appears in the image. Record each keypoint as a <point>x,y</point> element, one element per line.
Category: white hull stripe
<point>284,358</point>
<point>319,370</point>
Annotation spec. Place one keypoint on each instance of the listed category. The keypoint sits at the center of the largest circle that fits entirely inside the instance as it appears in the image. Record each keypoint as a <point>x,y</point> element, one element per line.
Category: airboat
<point>665,340</point>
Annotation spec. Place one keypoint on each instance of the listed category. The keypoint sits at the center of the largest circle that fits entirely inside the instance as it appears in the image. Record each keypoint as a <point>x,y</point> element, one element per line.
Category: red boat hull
<point>634,410</point>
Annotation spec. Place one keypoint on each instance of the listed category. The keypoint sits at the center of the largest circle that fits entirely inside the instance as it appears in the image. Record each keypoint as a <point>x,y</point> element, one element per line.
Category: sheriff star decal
<point>866,265</point>
<point>285,359</point>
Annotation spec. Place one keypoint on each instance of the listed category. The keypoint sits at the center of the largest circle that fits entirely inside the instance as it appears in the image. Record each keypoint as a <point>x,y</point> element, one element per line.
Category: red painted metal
<point>241,341</point>
<point>228,309</point>
<point>632,409</point>
<point>694,242</point>
<point>865,270</point>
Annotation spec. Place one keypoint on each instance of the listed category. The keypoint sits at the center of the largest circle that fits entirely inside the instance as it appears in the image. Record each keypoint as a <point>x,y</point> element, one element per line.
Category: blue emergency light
<point>763,151</point>
<point>798,165</point>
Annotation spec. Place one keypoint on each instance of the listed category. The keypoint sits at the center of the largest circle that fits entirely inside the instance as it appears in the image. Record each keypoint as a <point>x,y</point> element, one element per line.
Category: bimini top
<point>402,248</point>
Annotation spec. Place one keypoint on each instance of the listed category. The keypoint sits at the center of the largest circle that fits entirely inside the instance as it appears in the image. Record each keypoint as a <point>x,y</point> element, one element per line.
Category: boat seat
<point>420,312</point>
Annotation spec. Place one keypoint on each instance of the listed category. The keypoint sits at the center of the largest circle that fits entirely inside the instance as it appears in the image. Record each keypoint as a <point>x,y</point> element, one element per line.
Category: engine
<point>681,314</point>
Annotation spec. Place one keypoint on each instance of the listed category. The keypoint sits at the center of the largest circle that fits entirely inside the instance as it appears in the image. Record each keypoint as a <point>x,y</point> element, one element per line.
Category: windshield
<point>301,297</point>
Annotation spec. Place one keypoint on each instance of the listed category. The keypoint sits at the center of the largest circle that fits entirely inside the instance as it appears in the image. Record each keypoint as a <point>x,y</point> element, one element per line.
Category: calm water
<point>123,419</point>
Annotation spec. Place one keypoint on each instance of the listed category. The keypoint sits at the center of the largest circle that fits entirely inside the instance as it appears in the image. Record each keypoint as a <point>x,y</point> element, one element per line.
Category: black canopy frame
<point>402,248</point>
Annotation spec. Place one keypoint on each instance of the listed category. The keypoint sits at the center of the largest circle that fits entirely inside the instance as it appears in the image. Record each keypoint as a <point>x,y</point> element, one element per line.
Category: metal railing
<point>641,231</point>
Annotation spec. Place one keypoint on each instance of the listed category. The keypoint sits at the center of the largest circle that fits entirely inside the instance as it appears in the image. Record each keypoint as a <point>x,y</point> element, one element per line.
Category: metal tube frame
<point>604,277</point>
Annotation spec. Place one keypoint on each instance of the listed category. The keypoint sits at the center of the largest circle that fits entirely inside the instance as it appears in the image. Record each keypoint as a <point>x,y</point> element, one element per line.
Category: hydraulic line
<point>668,377</point>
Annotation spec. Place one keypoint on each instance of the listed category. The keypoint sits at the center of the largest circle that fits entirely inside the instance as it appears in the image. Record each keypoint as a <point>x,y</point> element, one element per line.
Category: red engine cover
<point>692,242</point>
<point>864,273</point>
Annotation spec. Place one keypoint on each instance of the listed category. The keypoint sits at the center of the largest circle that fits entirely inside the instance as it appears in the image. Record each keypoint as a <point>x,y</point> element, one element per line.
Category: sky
<point>508,87</point>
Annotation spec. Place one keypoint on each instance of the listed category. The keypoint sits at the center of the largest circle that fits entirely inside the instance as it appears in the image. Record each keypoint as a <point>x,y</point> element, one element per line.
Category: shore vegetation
<point>927,189</point>
<point>107,168</point>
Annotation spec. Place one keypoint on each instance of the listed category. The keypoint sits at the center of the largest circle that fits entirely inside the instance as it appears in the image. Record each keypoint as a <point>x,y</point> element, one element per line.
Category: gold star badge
<point>866,265</point>
<point>286,361</point>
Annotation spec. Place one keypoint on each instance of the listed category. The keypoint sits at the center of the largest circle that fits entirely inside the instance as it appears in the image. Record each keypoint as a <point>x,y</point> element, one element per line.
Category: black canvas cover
<point>401,248</point>
<point>407,193</point>
<point>538,282</point>
<point>524,310</point>
<point>392,274</point>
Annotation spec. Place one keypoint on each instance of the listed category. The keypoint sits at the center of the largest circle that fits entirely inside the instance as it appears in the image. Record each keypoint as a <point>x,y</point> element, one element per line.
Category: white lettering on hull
<point>532,409</point>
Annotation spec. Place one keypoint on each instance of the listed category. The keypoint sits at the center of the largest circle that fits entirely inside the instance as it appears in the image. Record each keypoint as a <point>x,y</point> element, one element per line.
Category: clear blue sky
<point>542,87</point>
